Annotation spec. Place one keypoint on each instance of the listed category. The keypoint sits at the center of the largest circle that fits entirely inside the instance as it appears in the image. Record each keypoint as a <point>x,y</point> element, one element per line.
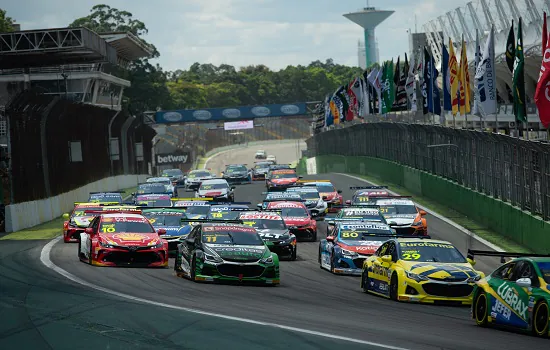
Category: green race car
<point>516,295</point>
<point>226,252</point>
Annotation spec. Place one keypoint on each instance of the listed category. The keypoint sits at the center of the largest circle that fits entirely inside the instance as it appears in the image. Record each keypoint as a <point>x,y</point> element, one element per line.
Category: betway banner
<point>171,158</point>
<point>244,124</point>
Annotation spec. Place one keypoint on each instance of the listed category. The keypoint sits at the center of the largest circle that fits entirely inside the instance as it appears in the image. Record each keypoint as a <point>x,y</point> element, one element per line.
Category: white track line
<point>439,216</point>
<point>45,259</point>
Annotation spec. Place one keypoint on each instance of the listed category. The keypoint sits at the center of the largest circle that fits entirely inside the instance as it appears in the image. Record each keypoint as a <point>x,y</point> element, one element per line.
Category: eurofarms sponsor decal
<point>170,159</point>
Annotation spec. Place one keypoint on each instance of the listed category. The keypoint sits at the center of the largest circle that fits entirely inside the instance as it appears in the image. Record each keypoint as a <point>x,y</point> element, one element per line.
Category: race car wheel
<point>332,261</point>
<point>314,236</point>
<point>540,319</point>
<point>294,253</point>
<point>365,281</point>
<point>480,309</point>
<point>192,272</point>
<point>394,287</point>
<point>79,249</point>
<point>319,257</point>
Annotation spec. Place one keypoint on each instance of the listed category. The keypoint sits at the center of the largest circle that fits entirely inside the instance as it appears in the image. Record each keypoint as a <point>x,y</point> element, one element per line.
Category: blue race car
<point>350,244</point>
<point>105,197</point>
<point>195,208</point>
<point>170,220</point>
<point>222,212</point>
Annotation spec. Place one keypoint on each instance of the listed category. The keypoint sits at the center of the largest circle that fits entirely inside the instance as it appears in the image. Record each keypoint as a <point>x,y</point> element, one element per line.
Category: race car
<point>366,195</point>
<point>194,179</point>
<point>272,158</point>
<point>226,252</point>
<point>281,179</point>
<point>148,188</point>
<point>272,228</point>
<point>350,243</point>
<point>516,295</point>
<point>217,189</point>
<point>362,213</point>
<point>402,215</point>
<point>420,270</point>
<point>260,154</point>
<point>297,218</point>
<point>122,239</point>
<point>271,197</point>
<point>195,208</point>
<point>169,219</point>
<point>259,170</point>
<point>76,221</point>
<point>312,199</point>
<point>105,197</point>
<point>174,175</point>
<point>328,192</point>
<point>236,174</point>
<point>227,211</point>
<point>170,189</point>
<point>154,200</point>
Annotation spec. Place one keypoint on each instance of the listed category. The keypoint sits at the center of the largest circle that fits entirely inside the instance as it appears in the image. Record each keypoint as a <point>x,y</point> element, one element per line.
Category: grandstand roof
<point>50,47</point>
<point>127,45</point>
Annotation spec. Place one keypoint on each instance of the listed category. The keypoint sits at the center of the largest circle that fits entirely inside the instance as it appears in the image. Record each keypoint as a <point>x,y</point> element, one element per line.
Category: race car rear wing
<point>212,220</point>
<point>306,181</point>
<point>358,206</point>
<point>265,200</point>
<point>102,204</point>
<point>502,255</point>
<point>117,211</point>
<point>368,187</point>
<point>206,199</point>
<point>106,192</point>
<point>163,207</point>
<point>240,209</point>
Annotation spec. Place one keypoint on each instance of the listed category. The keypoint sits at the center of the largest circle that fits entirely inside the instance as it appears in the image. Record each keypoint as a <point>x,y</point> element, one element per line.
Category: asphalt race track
<point>46,310</point>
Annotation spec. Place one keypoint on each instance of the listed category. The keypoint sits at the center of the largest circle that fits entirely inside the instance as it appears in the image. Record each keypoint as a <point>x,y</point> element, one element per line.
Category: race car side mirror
<point>89,231</point>
<point>422,212</point>
<point>524,282</point>
<point>330,222</point>
<point>387,258</point>
<point>325,198</point>
<point>66,216</point>
<point>300,177</point>
<point>471,261</point>
<point>330,238</point>
<point>161,231</point>
<point>339,191</point>
<point>348,202</point>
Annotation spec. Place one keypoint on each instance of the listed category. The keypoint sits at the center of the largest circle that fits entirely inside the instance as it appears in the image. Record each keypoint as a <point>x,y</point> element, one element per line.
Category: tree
<point>6,23</point>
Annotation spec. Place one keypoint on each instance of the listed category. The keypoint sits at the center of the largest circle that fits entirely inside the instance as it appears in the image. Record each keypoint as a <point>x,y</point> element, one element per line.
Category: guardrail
<point>509,169</point>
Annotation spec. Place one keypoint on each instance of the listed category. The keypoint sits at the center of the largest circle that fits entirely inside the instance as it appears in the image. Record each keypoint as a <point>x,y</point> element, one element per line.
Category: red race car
<point>76,222</point>
<point>281,179</point>
<point>297,218</point>
<point>327,190</point>
<point>122,239</point>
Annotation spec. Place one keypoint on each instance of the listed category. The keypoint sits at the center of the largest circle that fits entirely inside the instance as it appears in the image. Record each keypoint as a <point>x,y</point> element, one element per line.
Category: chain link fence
<point>510,169</point>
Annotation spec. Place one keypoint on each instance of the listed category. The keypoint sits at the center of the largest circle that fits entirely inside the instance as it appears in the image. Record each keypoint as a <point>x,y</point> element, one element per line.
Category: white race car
<point>195,178</point>
<point>170,189</point>
<point>218,189</point>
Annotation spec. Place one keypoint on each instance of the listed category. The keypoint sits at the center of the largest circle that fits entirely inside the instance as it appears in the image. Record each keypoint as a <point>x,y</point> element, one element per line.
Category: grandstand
<point>480,15</point>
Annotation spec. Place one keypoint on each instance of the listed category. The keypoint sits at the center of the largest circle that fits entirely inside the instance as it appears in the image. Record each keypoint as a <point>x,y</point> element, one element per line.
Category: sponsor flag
<point>365,100</point>
<point>356,95</point>
<point>464,81</point>
<point>542,94</point>
<point>388,87</point>
<point>401,93</point>
<point>425,82</point>
<point>378,87</point>
<point>511,48</point>
<point>486,78</point>
<point>329,119</point>
<point>475,108</point>
<point>518,82</point>
<point>344,104</point>
<point>446,80</point>
<point>453,79</point>
<point>434,98</point>
<point>410,84</point>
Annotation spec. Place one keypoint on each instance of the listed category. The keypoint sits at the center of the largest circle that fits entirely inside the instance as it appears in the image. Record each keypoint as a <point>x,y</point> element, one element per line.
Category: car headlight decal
<point>416,277</point>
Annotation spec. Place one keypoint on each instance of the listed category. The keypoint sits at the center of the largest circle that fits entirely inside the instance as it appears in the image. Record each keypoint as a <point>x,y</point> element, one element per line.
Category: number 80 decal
<point>350,235</point>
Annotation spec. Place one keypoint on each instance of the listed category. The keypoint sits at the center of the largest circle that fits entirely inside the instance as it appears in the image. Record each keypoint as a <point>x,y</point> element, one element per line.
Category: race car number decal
<point>211,238</point>
<point>350,235</point>
<point>217,215</point>
<point>108,228</point>
<point>152,220</point>
<point>410,256</point>
<point>79,213</point>
<point>249,223</point>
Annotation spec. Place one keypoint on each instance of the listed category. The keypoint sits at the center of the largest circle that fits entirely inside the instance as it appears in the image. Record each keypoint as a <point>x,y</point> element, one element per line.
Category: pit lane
<point>308,297</point>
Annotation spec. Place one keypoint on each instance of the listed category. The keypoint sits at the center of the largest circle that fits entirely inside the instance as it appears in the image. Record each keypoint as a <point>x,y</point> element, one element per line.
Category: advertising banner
<point>243,124</point>
<point>179,158</point>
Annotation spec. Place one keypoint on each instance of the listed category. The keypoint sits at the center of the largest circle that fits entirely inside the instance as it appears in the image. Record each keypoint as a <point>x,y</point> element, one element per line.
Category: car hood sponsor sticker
<point>130,239</point>
<point>239,253</point>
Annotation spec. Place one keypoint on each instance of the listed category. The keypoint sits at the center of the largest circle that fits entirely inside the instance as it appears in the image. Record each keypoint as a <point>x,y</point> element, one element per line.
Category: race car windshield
<point>310,195</point>
<point>126,226</point>
<point>151,189</point>
<point>199,174</point>
<point>173,219</point>
<point>325,187</point>
<point>104,198</point>
<point>430,252</point>
<point>154,202</point>
<point>212,187</point>
<point>163,182</point>
<point>294,212</point>
<point>233,237</point>
<point>223,214</point>
<point>172,172</point>
<point>284,176</point>
<point>374,215</point>
<point>198,210</point>
<point>398,209</point>
<point>236,169</point>
<point>544,268</point>
<point>265,224</point>
<point>261,166</point>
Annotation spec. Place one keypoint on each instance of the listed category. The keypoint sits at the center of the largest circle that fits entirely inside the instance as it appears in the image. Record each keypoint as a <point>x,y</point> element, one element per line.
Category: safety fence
<point>58,145</point>
<point>510,169</point>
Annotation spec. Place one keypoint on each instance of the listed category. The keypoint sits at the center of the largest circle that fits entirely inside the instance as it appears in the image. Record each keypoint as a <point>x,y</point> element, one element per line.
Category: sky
<point>276,33</point>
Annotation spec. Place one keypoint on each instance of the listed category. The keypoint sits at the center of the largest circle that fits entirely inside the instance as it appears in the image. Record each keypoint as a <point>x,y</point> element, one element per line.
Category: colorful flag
<point>410,85</point>
<point>426,82</point>
<point>453,79</point>
<point>486,78</point>
<point>329,119</point>
<point>511,48</point>
<point>401,93</point>
<point>542,94</point>
<point>446,80</point>
<point>475,108</point>
<point>388,87</point>
<point>434,98</point>
<point>356,95</point>
<point>518,82</point>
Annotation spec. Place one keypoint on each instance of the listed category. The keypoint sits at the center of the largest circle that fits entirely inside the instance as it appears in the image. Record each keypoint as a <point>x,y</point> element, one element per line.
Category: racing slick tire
<point>394,286</point>
<point>319,257</point>
<point>480,309</point>
<point>365,281</point>
<point>540,319</point>
<point>192,272</point>
<point>294,254</point>
<point>332,261</point>
<point>79,249</point>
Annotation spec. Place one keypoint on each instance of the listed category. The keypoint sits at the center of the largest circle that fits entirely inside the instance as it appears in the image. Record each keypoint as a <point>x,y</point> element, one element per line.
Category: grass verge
<point>459,218</point>
<point>50,229</point>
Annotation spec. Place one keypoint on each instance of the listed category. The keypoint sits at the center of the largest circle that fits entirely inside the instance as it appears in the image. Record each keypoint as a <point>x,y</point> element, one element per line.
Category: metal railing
<point>510,169</point>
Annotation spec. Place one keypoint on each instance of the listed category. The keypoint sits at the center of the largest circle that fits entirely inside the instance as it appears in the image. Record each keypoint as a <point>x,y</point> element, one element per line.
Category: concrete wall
<point>27,214</point>
<point>501,217</point>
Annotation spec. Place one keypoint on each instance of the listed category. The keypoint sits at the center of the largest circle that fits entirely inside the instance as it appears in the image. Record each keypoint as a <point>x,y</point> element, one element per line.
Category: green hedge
<point>501,217</point>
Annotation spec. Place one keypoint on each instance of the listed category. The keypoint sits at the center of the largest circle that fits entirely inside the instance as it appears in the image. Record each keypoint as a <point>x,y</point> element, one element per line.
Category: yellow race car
<point>420,270</point>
